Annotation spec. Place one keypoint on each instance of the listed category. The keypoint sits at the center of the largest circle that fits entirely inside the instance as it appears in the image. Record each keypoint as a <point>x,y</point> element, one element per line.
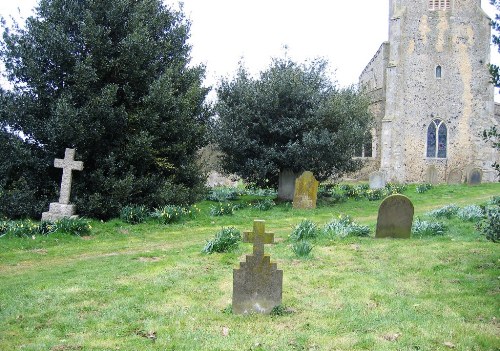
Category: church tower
<point>431,93</point>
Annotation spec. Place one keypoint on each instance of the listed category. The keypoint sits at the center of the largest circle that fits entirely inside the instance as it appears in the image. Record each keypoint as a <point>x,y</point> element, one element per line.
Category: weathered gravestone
<point>63,209</point>
<point>432,176</point>
<point>395,217</point>
<point>475,176</point>
<point>258,283</point>
<point>286,185</point>
<point>306,191</point>
<point>455,176</point>
<point>377,180</point>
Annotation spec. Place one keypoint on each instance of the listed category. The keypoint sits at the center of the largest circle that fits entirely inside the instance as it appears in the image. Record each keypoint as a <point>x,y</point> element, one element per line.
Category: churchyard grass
<point>148,286</point>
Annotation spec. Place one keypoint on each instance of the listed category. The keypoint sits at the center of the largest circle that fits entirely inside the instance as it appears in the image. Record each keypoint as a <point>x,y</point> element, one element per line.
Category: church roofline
<point>373,58</point>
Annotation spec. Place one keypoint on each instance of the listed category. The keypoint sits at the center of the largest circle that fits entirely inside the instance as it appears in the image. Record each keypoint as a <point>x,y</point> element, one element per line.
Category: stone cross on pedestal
<point>258,283</point>
<point>62,209</point>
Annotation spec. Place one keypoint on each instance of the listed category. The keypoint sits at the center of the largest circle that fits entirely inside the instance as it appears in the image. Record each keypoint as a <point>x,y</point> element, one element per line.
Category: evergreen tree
<point>113,80</point>
<point>291,118</point>
<point>492,135</point>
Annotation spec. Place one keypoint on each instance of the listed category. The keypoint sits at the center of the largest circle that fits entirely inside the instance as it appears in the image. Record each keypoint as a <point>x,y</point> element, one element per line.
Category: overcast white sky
<point>346,33</point>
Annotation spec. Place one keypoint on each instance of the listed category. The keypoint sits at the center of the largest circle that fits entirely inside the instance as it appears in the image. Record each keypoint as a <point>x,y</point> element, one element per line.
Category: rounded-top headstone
<point>395,217</point>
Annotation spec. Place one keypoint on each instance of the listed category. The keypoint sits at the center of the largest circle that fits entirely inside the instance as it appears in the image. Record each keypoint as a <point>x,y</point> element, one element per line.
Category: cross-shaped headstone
<point>68,164</point>
<point>258,237</point>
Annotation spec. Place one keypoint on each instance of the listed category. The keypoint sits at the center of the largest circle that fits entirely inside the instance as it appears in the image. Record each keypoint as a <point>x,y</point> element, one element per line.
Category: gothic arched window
<point>438,71</point>
<point>437,139</point>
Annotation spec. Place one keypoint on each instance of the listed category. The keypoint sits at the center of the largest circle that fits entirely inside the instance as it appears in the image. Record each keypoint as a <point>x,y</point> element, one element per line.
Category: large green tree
<point>495,24</point>
<point>112,79</point>
<point>292,117</point>
<point>492,135</point>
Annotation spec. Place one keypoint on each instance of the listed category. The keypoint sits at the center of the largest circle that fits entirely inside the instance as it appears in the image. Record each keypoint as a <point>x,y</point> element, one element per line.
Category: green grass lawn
<point>149,287</point>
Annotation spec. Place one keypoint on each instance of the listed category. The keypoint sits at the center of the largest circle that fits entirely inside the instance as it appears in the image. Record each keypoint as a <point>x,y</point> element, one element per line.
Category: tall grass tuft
<point>344,226</point>
<point>302,248</point>
<point>306,229</point>
<point>134,214</point>
<point>225,240</point>
<point>426,228</point>
<point>447,211</point>
<point>471,213</point>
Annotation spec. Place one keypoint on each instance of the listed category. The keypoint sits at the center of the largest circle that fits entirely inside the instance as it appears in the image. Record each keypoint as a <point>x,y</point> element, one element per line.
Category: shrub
<point>225,240</point>
<point>264,205</point>
<point>490,226</point>
<point>73,226</point>
<point>425,228</point>
<point>447,211</point>
<point>301,248</point>
<point>344,226</point>
<point>472,213</point>
<point>222,209</point>
<point>422,188</point>
<point>223,193</point>
<point>134,214</point>
<point>306,229</point>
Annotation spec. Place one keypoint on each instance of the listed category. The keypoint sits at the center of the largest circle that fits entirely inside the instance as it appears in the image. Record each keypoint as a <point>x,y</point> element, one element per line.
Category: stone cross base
<point>257,286</point>
<point>58,211</point>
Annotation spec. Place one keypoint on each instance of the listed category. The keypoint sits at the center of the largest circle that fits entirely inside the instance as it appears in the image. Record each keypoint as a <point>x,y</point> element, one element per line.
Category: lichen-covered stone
<point>395,217</point>
<point>306,191</point>
<point>258,283</point>
<point>63,209</point>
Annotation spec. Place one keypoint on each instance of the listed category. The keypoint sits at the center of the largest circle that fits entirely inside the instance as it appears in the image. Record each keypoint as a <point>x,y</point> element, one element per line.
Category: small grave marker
<point>455,176</point>
<point>257,284</point>
<point>306,191</point>
<point>475,176</point>
<point>395,217</point>
<point>377,180</point>
<point>62,209</point>
<point>432,175</point>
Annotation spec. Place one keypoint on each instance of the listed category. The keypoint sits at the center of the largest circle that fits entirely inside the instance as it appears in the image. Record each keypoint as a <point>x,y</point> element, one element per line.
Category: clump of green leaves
<point>490,226</point>
<point>395,188</point>
<point>223,193</point>
<point>134,214</point>
<point>422,188</point>
<point>255,191</point>
<point>302,248</point>
<point>264,205</point>
<point>427,228</point>
<point>447,211</point>
<point>171,213</point>
<point>28,229</point>
<point>73,226</point>
<point>280,310</point>
<point>375,194</point>
<point>306,229</point>
<point>344,226</point>
<point>225,240</point>
<point>222,209</point>
<point>22,229</point>
<point>472,213</point>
